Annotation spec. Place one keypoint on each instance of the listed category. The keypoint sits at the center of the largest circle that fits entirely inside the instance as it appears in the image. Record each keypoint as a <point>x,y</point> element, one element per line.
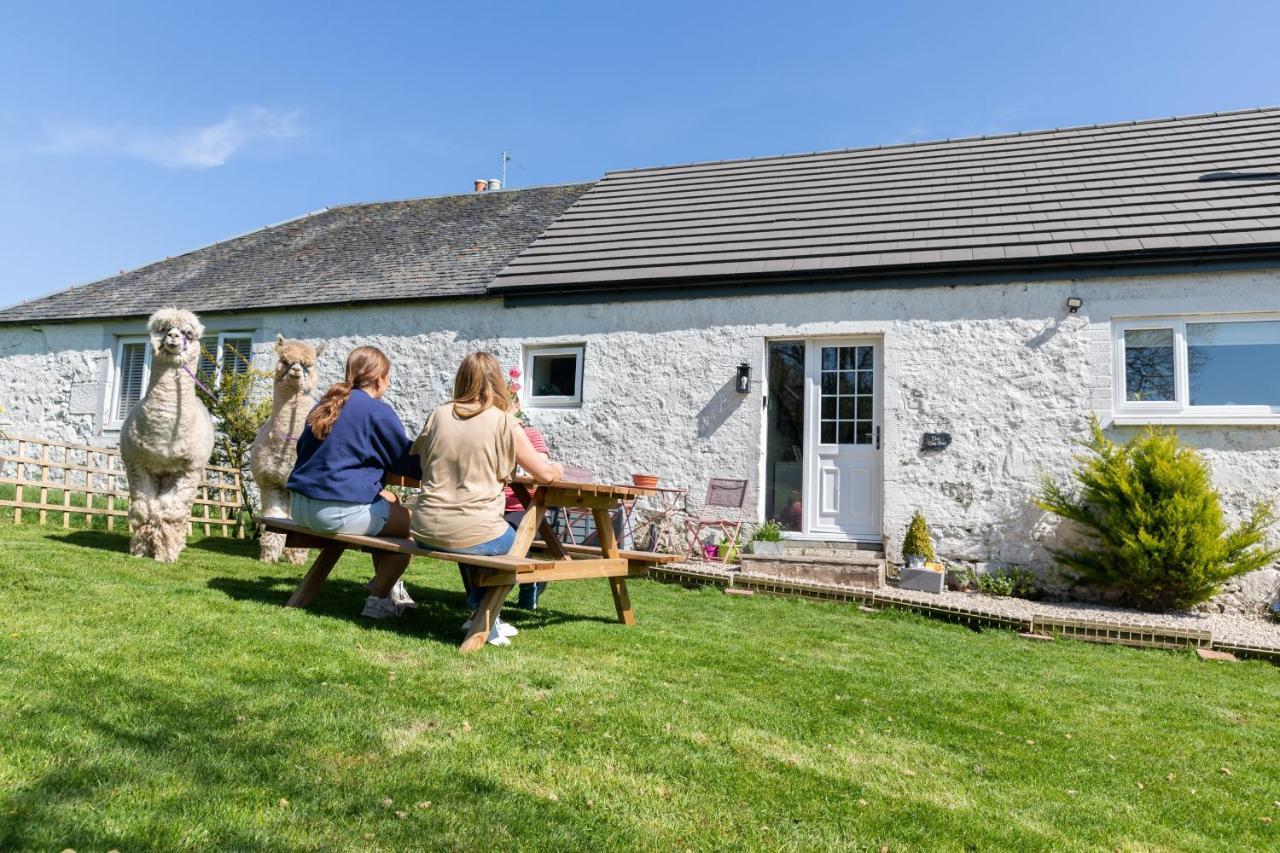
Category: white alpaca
<point>166,439</point>
<point>275,449</point>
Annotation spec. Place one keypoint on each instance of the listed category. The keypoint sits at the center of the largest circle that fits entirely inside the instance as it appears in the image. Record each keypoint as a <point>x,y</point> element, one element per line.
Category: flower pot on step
<point>711,552</point>
<point>767,549</point>
<point>921,579</point>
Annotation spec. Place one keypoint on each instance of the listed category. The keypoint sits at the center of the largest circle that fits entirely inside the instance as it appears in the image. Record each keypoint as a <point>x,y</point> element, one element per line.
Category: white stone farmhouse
<point>923,326</point>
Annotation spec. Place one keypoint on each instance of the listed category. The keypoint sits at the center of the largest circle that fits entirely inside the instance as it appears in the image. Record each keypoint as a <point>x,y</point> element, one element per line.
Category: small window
<point>1204,370</point>
<point>553,376</point>
<point>224,352</point>
<point>133,365</point>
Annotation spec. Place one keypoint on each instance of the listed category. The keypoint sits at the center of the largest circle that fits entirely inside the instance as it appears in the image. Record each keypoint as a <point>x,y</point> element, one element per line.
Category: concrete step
<point>843,569</point>
<point>838,553</point>
<point>829,545</point>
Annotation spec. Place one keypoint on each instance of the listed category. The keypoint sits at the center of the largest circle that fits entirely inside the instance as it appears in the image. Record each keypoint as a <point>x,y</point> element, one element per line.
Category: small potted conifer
<point>920,571</point>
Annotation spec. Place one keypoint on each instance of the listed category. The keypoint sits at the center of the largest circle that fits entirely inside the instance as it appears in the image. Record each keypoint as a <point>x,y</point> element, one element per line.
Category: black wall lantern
<point>744,378</point>
<point>1073,304</point>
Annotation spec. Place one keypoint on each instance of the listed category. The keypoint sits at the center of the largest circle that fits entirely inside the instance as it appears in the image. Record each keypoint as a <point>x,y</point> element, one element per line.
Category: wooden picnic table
<point>499,574</point>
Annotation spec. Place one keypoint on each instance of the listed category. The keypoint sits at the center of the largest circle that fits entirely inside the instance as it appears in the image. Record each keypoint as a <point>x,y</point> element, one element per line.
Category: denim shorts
<point>492,548</point>
<point>340,516</point>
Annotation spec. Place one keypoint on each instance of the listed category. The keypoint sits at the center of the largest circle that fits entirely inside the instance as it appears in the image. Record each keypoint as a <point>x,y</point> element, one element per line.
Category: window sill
<point>1194,420</point>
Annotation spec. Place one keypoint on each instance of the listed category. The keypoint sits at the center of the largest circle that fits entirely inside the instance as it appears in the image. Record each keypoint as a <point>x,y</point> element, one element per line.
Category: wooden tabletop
<point>612,490</point>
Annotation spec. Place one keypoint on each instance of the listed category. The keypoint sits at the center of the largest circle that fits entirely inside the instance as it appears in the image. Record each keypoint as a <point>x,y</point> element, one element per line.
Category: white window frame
<point>579,351</point>
<point>115,385</point>
<point>218,356</point>
<point>1179,410</point>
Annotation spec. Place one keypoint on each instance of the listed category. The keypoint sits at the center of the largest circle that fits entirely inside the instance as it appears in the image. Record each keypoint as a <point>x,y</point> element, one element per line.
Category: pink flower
<point>514,373</point>
<point>515,387</point>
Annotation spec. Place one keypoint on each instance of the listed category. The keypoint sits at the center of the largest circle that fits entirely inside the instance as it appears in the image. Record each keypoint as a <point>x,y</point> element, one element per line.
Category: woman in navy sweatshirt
<point>352,438</point>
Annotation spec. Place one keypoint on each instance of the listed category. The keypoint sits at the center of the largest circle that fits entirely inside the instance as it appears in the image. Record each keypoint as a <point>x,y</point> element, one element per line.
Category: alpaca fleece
<point>275,449</point>
<point>166,440</point>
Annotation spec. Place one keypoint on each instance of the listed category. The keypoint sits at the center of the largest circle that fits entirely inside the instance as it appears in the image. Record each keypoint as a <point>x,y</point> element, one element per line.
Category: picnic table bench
<point>499,574</point>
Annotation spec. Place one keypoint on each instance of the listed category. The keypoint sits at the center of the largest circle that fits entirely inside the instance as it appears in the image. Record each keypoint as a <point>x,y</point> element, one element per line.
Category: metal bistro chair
<point>724,497</point>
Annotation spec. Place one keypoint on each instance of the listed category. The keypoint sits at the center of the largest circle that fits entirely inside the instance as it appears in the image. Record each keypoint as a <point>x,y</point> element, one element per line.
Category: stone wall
<point>1002,367</point>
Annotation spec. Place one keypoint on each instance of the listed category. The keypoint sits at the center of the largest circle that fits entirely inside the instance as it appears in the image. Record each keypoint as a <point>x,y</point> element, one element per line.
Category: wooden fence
<point>37,467</point>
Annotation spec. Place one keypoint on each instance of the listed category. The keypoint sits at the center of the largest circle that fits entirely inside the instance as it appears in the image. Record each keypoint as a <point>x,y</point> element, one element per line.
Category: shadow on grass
<point>228,546</point>
<point>438,617</point>
<point>97,540</point>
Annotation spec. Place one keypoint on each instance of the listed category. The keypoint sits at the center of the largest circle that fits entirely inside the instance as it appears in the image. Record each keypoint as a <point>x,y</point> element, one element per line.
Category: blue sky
<point>129,132</point>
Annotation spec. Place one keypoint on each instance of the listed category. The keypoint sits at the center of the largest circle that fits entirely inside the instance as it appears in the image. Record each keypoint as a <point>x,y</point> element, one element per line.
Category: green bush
<point>1016,582</point>
<point>1159,536</point>
<point>770,531</point>
<point>918,542</point>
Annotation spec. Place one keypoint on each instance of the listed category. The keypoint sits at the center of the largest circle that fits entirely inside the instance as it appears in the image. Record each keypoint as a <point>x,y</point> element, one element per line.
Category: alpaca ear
<point>279,342</point>
<point>319,349</point>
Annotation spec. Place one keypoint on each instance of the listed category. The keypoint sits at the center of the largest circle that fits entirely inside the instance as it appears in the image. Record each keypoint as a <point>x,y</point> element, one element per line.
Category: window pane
<point>847,383</point>
<point>1234,364</point>
<point>864,408</point>
<point>1148,365</point>
<point>555,376</point>
<point>133,361</point>
<point>846,408</point>
<point>846,432</point>
<point>785,449</point>
<point>864,432</point>
<point>828,432</point>
<point>846,358</point>
<point>209,357</point>
<point>828,358</point>
<point>866,358</point>
<point>235,354</point>
<point>828,383</point>
<point>828,407</point>
<point>866,382</point>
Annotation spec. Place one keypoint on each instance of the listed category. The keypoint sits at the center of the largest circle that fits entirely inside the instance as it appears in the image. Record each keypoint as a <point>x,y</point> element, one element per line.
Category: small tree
<point>1159,536</point>
<point>239,410</point>
<point>918,543</point>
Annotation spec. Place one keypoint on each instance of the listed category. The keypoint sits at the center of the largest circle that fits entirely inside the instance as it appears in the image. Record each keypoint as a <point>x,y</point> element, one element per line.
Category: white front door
<point>842,439</point>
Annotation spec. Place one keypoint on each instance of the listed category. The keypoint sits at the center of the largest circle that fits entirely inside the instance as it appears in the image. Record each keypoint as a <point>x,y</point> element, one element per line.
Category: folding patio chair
<point>724,497</point>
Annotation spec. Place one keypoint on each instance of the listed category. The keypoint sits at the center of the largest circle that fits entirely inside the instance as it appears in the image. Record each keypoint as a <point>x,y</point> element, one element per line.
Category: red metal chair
<point>573,515</point>
<point>722,510</point>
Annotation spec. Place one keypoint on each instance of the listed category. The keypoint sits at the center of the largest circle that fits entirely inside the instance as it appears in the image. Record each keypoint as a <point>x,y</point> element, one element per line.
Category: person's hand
<point>559,471</point>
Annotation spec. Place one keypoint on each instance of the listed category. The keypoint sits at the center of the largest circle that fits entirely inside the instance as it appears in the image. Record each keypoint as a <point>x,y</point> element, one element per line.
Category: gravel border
<point>1228,629</point>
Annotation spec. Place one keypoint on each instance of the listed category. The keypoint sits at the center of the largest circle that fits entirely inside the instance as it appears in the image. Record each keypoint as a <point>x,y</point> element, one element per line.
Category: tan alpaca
<point>166,439</point>
<point>275,451</point>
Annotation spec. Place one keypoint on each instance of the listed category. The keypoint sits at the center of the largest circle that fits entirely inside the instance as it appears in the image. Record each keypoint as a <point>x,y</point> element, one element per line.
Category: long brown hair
<point>479,385</point>
<point>365,366</point>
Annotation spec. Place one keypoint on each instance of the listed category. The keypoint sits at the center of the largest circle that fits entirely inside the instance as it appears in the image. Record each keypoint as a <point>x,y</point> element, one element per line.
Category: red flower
<point>514,373</point>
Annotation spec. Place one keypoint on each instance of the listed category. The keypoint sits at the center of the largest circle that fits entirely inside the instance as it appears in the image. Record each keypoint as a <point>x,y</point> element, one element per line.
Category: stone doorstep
<point>1214,654</point>
<point>848,558</point>
<point>843,572</point>
<point>833,553</point>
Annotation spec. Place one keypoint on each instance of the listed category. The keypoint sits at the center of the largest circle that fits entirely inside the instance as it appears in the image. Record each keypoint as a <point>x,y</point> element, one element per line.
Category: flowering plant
<point>513,388</point>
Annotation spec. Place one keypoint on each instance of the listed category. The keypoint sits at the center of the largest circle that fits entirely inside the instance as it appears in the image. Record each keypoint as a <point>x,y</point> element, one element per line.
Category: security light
<point>1074,303</point>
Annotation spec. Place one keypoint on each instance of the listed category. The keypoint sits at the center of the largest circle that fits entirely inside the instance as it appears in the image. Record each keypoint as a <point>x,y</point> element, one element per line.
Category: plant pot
<point>914,561</point>
<point>923,580</point>
<point>766,549</point>
<point>711,552</point>
<point>645,481</point>
<point>957,580</point>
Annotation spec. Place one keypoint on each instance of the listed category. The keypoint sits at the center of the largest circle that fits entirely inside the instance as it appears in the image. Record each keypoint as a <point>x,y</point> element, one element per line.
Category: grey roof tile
<point>1075,191</point>
<point>441,247</point>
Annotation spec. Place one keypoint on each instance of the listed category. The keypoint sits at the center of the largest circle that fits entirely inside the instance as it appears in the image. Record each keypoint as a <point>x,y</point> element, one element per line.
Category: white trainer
<point>498,625</point>
<point>380,608</point>
<point>399,594</point>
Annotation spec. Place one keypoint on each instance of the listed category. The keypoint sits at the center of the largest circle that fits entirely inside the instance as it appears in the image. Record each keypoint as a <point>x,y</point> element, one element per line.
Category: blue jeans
<point>529,592</point>
<point>492,548</point>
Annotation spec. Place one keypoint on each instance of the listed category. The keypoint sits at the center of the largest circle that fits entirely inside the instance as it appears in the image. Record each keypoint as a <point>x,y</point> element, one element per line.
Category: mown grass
<point>161,707</point>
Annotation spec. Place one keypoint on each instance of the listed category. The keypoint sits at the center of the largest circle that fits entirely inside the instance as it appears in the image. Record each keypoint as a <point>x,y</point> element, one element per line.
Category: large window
<point>132,368</point>
<point>224,352</point>
<point>553,375</point>
<point>1198,369</point>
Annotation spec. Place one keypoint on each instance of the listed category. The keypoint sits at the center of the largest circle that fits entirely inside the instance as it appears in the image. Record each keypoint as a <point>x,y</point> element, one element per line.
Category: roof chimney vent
<point>494,184</point>
<point>481,184</point>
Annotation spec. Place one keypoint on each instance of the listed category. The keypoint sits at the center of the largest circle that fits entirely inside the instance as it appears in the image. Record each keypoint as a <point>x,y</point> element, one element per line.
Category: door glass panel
<point>1148,365</point>
<point>784,448</point>
<point>852,384</point>
<point>1233,364</point>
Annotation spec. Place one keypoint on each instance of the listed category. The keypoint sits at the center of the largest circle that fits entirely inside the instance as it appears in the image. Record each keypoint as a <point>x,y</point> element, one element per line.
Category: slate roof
<point>1177,187</point>
<point>447,246</point>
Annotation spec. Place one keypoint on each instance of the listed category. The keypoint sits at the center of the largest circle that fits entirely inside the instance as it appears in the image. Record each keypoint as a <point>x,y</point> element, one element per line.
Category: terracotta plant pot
<point>645,481</point>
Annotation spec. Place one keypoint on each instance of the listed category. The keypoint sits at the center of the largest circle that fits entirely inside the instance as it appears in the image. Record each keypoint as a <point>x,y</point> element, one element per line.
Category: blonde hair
<point>365,367</point>
<point>478,385</point>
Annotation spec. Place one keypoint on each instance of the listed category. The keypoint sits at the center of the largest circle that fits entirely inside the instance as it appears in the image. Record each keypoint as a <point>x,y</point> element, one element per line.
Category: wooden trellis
<point>52,478</point>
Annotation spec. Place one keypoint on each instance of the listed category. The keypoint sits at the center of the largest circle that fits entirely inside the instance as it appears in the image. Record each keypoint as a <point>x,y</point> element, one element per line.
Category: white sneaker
<point>496,638</point>
<point>501,627</point>
<point>399,594</point>
<point>380,608</point>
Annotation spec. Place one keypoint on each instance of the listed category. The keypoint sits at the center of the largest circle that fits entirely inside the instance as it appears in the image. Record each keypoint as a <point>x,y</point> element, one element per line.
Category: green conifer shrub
<point>918,542</point>
<point>1155,521</point>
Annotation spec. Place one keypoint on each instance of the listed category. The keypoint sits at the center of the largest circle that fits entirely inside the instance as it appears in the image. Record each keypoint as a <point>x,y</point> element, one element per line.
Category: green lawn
<point>145,706</point>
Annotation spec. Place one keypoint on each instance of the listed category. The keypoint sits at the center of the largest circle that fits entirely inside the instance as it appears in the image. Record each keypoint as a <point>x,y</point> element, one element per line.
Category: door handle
<point>877,438</point>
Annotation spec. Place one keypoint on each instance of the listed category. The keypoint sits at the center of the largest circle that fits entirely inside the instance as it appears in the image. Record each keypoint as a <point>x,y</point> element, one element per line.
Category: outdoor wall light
<point>1074,303</point>
<point>744,378</point>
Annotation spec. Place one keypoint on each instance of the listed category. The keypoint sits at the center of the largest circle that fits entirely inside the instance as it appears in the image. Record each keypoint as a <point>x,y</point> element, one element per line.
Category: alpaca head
<point>175,336</point>
<point>295,365</point>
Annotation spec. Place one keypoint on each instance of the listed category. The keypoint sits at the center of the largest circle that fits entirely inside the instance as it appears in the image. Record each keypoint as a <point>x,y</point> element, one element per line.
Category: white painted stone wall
<point>1004,368</point>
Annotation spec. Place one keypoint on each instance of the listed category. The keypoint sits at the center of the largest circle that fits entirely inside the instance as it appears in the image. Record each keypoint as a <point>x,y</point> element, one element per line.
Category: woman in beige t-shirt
<point>469,448</point>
